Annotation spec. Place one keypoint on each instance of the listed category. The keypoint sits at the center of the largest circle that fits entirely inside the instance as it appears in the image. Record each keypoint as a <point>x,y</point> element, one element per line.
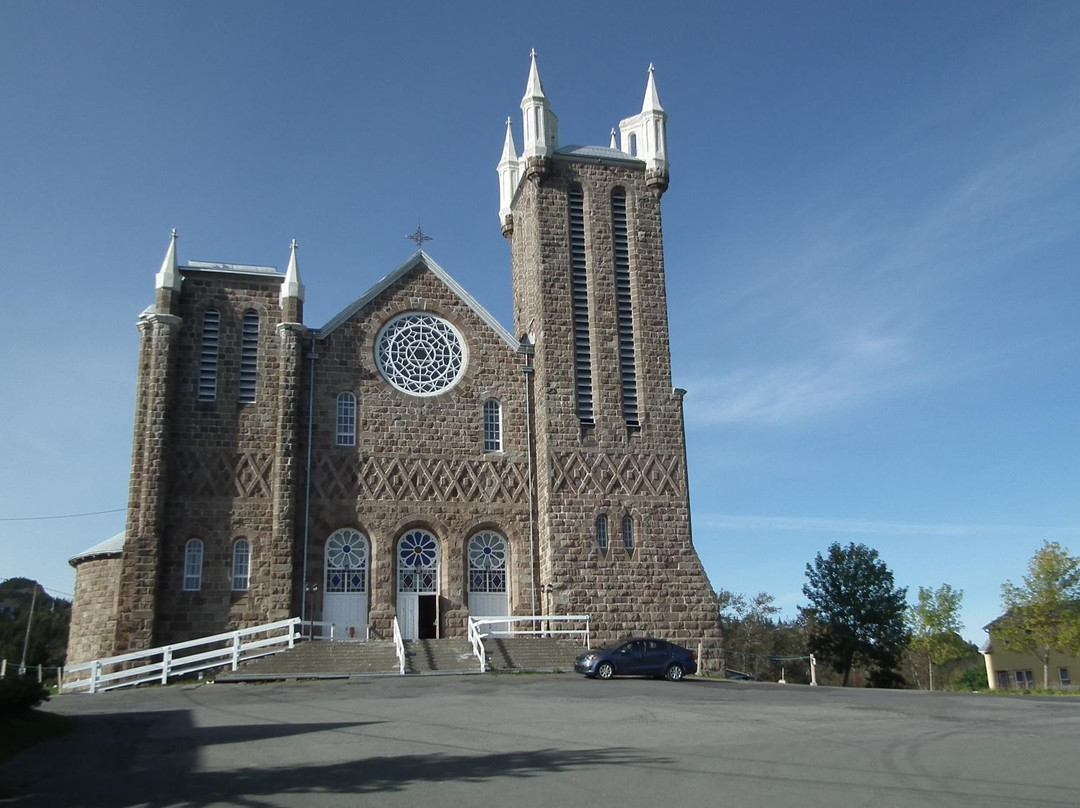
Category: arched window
<point>492,426</point>
<point>346,419</point>
<point>601,533</point>
<point>628,534</point>
<point>346,561</point>
<point>418,562</point>
<point>193,556</point>
<point>208,355</point>
<point>249,357</point>
<point>241,565</point>
<point>487,562</point>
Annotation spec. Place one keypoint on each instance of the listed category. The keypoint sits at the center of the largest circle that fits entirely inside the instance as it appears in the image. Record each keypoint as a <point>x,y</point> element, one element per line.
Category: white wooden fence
<point>546,625</point>
<point>158,665</point>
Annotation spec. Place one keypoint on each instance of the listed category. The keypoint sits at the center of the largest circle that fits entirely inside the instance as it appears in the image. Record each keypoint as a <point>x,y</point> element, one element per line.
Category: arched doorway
<point>345,584</point>
<point>418,585</point>
<point>488,595</point>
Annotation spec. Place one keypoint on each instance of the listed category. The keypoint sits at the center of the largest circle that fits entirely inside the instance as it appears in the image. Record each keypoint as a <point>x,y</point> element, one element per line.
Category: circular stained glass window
<point>420,354</point>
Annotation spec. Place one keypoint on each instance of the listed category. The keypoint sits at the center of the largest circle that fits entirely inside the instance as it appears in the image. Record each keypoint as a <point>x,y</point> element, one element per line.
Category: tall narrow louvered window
<point>624,308</point>
<point>580,299</point>
<point>249,357</point>
<point>208,355</point>
<point>492,426</point>
<point>346,419</point>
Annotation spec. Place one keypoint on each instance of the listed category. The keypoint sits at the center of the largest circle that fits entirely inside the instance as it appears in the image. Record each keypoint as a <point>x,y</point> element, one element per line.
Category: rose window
<point>420,354</point>
<point>346,561</point>
<point>487,562</point>
<point>417,562</point>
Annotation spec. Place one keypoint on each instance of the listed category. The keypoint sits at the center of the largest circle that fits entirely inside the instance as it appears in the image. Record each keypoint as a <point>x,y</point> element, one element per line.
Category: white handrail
<point>233,648</point>
<point>399,647</point>
<point>544,630</point>
<point>477,645</point>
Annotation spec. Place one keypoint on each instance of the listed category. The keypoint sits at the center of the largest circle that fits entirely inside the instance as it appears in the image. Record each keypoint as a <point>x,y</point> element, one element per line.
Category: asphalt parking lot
<point>551,740</point>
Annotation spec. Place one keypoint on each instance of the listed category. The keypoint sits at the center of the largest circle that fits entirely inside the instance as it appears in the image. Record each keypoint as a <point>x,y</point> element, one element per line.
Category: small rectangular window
<point>1063,677</point>
<point>346,420</point>
<point>1025,679</point>
<point>492,426</point>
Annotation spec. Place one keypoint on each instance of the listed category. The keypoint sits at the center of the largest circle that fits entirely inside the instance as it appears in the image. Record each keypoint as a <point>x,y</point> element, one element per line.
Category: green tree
<point>749,627</point>
<point>857,611</point>
<point>1043,614</point>
<point>934,625</point>
<point>46,639</point>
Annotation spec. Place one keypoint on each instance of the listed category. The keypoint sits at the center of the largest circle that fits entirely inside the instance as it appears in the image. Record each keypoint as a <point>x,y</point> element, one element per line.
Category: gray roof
<point>420,258</point>
<point>596,153</point>
<point>112,546</point>
<point>232,269</point>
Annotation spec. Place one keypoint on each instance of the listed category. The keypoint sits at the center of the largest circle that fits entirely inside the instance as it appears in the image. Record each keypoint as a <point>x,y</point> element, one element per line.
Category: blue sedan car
<point>638,656</point>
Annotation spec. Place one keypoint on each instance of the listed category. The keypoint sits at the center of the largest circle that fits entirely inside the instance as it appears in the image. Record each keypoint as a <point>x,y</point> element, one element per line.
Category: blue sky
<point>871,241</point>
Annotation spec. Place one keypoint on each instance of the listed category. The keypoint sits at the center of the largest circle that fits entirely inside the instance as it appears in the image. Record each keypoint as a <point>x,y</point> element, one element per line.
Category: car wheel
<point>605,670</point>
<point>674,673</point>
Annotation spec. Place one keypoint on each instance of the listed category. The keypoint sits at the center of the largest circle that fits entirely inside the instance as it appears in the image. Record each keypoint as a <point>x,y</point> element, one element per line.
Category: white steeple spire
<point>168,276</point>
<point>291,287</point>
<point>509,170</point>
<point>540,130</point>
<point>644,136</point>
<point>614,143</point>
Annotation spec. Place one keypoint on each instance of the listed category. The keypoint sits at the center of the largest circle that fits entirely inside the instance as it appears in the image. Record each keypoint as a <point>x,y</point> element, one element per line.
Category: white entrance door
<point>418,585</point>
<point>487,580</point>
<point>345,595</point>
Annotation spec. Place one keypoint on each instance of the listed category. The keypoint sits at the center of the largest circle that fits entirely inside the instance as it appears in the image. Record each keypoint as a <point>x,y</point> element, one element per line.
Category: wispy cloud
<point>870,527</point>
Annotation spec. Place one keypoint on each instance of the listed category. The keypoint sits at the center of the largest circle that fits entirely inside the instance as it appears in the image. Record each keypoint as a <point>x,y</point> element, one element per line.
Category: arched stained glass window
<point>241,565</point>
<point>346,561</point>
<point>601,533</point>
<point>487,562</point>
<point>346,419</point>
<point>193,561</point>
<point>492,426</point>
<point>418,562</point>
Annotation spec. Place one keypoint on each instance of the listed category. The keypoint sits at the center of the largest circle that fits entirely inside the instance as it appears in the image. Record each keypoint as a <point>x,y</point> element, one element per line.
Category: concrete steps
<point>342,659</point>
<point>530,654</point>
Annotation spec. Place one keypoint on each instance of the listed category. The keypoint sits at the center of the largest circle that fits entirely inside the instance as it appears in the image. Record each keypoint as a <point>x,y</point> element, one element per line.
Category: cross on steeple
<point>418,237</point>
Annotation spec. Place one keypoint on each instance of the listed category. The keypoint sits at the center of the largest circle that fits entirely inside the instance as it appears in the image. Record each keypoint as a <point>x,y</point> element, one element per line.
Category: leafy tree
<point>934,624</point>
<point>859,615</point>
<point>972,678</point>
<point>749,626</point>
<point>48,633</point>
<point>1043,614</point>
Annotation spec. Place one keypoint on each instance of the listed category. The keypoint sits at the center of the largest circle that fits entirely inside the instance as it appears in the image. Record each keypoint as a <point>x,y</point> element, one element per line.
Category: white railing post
<point>292,635</point>
<point>236,644</point>
<point>399,647</point>
<point>3,668</point>
<point>166,661</point>
<point>588,640</point>
<point>95,673</point>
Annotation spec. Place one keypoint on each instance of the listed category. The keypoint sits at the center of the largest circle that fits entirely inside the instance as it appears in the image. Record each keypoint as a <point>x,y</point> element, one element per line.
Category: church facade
<point>413,459</point>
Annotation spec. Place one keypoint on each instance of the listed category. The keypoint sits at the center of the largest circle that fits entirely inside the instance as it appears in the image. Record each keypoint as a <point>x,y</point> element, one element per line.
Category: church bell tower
<point>611,492</point>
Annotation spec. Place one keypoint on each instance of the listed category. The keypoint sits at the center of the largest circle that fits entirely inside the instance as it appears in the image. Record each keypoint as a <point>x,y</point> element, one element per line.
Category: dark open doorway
<point>428,617</point>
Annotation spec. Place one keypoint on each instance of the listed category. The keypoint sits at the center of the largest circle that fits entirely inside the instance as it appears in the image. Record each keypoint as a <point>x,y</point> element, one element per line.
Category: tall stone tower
<point>612,498</point>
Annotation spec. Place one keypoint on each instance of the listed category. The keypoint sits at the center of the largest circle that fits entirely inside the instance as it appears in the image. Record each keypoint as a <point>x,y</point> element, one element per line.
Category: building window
<point>487,562</point>
<point>1063,677</point>
<point>601,533</point>
<point>193,555</point>
<point>624,308</point>
<point>1025,680</point>
<point>249,357</point>
<point>346,419</point>
<point>346,561</point>
<point>628,534</point>
<point>1002,679</point>
<point>241,565</point>
<point>579,283</point>
<point>492,426</point>
<point>420,354</point>
<point>418,563</point>
<point>208,355</point>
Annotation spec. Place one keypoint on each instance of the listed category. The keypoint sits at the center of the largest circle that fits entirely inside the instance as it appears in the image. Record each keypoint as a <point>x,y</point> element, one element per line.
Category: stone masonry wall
<point>93,622</point>
<point>609,468</point>
<point>420,461</point>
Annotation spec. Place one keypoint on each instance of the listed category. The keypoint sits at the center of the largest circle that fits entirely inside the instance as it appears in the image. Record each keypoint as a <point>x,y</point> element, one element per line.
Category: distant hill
<point>48,631</point>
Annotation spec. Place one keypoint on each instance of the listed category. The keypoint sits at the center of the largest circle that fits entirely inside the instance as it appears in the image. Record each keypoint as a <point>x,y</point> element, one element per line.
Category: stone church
<point>412,458</point>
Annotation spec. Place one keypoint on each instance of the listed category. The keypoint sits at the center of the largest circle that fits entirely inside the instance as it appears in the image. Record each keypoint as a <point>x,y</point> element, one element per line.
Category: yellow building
<point>1023,670</point>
